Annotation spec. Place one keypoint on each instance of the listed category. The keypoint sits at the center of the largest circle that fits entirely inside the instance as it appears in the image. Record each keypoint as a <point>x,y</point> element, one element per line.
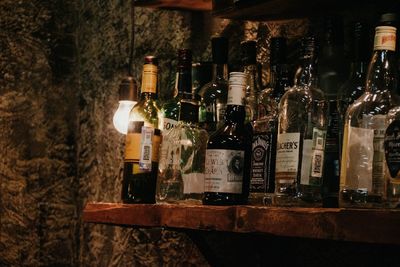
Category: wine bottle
<point>362,165</point>
<point>214,94</point>
<point>228,154</point>
<point>143,141</point>
<point>301,136</point>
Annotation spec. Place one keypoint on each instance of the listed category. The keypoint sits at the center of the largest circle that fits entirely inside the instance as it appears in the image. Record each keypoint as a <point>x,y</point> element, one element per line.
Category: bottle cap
<point>219,46</point>
<point>151,60</point>
<point>389,19</point>
<point>184,58</point>
<point>249,52</point>
<point>278,51</point>
<point>237,88</point>
<point>385,38</point>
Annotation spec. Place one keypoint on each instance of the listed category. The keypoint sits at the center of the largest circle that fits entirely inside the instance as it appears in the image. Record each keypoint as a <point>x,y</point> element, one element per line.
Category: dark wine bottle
<point>228,154</point>
<point>143,141</point>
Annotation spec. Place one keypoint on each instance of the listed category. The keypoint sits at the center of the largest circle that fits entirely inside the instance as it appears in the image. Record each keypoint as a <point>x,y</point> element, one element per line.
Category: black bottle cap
<point>278,49</point>
<point>184,58</point>
<point>151,60</point>
<point>389,19</point>
<point>219,46</point>
<point>249,52</point>
<point>128,89</point>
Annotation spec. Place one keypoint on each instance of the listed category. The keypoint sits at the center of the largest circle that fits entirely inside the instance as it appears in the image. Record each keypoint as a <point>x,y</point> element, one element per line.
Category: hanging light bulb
<point>128,96</point>
<point>128,93</point>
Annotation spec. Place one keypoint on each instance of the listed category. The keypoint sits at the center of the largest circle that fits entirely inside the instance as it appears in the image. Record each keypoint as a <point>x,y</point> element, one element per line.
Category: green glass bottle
<point>143,141</point>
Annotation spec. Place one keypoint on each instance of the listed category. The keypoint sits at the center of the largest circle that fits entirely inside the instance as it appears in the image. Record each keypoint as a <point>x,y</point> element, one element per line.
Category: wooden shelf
<point>370,226</point>
<point>290,9</point>
<point>198,5</point>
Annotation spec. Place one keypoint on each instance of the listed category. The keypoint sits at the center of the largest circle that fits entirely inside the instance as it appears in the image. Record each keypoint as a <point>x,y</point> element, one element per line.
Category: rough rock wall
<point>60,65</point>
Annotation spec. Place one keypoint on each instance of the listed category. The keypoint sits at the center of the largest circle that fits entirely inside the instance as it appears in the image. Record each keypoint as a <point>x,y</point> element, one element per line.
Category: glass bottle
<point>214,94</point>
<point>331,76</point>
<point>362,170</point>
<point>249,61</point>
<point>170,109</point>
<point>182,159</point>
<point>262,179</point>
<point>143,141</point>
<point>301,136</point>
<point>228,154</point>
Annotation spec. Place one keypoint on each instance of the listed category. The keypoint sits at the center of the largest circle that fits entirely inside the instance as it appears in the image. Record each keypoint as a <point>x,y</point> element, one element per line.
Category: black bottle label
<point>263,163</point>
<point>392,148</point>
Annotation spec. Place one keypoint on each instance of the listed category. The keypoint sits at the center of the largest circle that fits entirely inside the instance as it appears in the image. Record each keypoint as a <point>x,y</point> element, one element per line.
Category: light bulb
<point>121,116</point>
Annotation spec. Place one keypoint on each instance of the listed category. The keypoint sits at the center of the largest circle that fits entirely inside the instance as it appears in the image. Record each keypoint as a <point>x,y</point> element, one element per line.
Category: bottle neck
<point>220,72</point>
<point>253,79</point>
<point>382,72</point>
<point>306,74</point>
<point>358,69</point>
<point>189,112</point>
<point>279,79</point>
<point>148,96</point>
<point>235,114</point>
<point>184,82</point>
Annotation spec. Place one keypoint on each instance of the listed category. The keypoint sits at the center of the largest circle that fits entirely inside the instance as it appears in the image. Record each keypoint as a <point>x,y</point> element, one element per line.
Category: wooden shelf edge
<point>195,5</point>
<point>369,226</point>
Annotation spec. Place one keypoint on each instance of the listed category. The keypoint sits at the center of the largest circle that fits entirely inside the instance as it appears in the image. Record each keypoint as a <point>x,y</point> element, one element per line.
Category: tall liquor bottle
<point>143,141</point>
<point>331,76</point>
<point>214,93</point>
<point>362,170</point>
<point>170,109</point>
<point>301,136</point>
<point>228,154</point>
<point>262,179</point>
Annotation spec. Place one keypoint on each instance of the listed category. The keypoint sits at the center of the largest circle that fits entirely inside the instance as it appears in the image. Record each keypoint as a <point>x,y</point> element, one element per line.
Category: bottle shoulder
<point>214,89</point>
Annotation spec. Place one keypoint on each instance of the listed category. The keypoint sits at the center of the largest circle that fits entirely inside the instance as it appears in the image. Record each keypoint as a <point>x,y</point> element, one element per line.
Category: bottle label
<point>168,124</point>
<point>287,157</point>
<point>193,183</point>
<point>378,123</point>
<point>392,148</point>
<point>313,158</point>
<point>224,171</point>
<point>385,38</point>
<point>263,163</point>
<point>149,78</point>
<point>236,94</point>
<point>141,145</point>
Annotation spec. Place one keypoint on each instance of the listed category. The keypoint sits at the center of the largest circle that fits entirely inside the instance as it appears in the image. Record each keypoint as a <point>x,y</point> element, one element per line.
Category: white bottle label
<point>168,124</point>
<point>313,158</point>
<point>224,171</point>
<point>287,157</point>
<point>193,183</point>
<point>146,148</point>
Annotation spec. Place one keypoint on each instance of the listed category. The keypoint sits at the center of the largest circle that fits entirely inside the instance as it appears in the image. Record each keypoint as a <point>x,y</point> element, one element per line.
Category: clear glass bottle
<point>301,136</point>
<point>214,94</point>
<point>170,109</point>
<point>262,179</point>
<point>143,141</point>
<point>228,154</point>
<point>182,159</point>
<point>362,167</point>
<point>331,76</point>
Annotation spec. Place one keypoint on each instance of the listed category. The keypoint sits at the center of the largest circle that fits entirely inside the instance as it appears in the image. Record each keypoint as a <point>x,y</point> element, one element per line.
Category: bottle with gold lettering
<point>228,153</point>
<point>143,141</point>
